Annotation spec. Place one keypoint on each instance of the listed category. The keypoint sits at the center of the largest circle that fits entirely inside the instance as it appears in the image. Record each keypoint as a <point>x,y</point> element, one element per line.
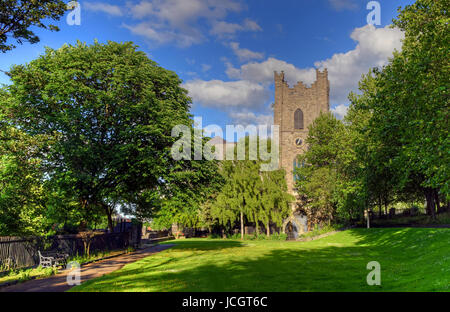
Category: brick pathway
<point>58,282</point>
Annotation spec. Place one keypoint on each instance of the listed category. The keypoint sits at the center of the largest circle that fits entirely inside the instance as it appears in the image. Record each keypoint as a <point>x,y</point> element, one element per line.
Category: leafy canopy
<point>17,16</point>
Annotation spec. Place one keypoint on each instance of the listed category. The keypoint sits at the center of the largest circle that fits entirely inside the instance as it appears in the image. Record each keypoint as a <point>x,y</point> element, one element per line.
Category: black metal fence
<point>20,252</point>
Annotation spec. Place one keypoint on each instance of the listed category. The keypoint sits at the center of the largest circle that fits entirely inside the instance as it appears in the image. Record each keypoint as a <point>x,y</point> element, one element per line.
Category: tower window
<point>297,164</point>
<point>298,120</point>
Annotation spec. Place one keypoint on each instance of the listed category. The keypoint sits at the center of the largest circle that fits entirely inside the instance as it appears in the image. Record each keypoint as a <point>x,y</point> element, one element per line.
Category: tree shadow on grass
<point>206,244</point>
<point>291,267</point>
<point>400,238</point>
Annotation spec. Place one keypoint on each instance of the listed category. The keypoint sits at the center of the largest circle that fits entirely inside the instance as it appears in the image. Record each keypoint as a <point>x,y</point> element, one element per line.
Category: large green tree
<point>394,142</point>
<point>408,104</point>
<point>111,111</point>
<point>317,177</point>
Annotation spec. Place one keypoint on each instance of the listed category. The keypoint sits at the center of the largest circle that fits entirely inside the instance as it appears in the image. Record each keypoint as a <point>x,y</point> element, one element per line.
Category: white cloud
<point>375,46</point>
<point>251,25</point>
<point>251,90</point>
<point>340,5</point>
<point>340,111</point>
<point>162,35</point>
<point>206,67</point>
<point>222,28</point>
<point>183,12</point>
<point>263,72</point>
<point>228,30</point>
<point>103,7</point>
<point>250,118</point>
<point>245,54</point>
<point>226,95</point>
<point>178,20</point>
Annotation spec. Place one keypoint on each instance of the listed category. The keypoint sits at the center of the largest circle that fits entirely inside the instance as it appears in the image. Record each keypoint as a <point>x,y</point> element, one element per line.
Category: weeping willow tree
<point>251,194</point>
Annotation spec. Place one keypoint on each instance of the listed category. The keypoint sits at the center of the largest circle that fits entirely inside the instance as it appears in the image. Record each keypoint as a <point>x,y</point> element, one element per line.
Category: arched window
<point>298,119</point>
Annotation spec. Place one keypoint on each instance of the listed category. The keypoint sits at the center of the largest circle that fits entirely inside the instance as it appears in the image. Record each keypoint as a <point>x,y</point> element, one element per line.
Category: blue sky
<point>225,51</point>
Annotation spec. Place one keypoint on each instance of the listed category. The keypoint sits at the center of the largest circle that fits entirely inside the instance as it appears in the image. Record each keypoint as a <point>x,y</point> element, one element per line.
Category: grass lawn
<point>411,259</point>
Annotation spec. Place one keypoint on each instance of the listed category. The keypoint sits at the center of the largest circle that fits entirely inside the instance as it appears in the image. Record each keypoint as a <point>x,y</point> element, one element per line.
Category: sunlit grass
<point>22,275</point>
<point>411,260</point>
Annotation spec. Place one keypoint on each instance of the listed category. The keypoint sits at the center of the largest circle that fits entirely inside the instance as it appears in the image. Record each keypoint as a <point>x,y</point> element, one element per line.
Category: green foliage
<point>110,111</point>
<point>235,236</point>
<point>22,275</point>
<point>393,144</point>
<point>188,187</point>
<point>18,16</point>
<point>321,230</point>
<point>85,258</point>
<point>417,81</point>
<point>22,194</point>
<point>407,140</point>
<point>253,237</point>
<point>216,236</point>
<point>329,181</point>
<point>419,220</point>
<point>258,196</point>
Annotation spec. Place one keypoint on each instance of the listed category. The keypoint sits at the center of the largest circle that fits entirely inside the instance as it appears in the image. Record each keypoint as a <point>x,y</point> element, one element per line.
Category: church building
<point>295,110</point>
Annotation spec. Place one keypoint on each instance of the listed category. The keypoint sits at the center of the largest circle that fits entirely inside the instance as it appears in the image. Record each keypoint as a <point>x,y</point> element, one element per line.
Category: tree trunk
<point>108,212</point>
<point>386,205</point>
<point>437,202</point>
<point>242,225</point>
<point>88,251</point>
<point>430,202</point>
<point>380,206</point>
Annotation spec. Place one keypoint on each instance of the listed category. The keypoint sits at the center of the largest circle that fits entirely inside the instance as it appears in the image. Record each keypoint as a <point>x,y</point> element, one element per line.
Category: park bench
<point>52,259</point>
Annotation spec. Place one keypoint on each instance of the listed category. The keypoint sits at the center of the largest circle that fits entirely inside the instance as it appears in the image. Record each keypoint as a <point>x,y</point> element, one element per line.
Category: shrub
<point>322,230</point>
<point>234,236</point>
<point>279,236</point>
<point>252,237</point>
<point>214,236</point>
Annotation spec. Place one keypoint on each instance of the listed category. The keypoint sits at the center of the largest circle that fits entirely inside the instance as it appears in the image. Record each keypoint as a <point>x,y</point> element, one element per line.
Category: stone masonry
<point>311,100</point>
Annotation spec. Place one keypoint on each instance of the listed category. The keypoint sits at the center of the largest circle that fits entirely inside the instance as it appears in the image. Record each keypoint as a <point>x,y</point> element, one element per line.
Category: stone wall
<point>311,100</point>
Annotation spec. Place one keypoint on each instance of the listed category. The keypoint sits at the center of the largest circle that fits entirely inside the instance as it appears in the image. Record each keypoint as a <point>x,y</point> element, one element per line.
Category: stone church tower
<point>294,111</point>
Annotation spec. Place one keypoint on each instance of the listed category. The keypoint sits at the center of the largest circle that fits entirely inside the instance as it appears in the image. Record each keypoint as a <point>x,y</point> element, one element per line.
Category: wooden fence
<point>19,252</point>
